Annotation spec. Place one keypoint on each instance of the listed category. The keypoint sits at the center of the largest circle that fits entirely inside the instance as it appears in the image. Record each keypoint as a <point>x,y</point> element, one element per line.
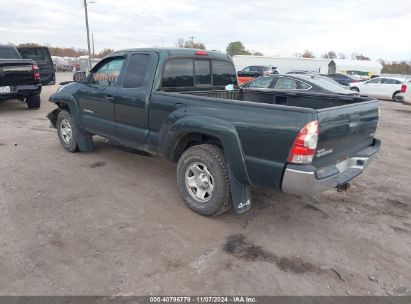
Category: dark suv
<point>257,71</point>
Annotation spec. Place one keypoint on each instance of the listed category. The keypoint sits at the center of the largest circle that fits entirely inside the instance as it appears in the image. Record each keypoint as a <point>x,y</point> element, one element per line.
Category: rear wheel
<point>66,131</point>
<point>33,102</point>
<point>203,180</point>
<point>355,89</point>
<point>395,96</point>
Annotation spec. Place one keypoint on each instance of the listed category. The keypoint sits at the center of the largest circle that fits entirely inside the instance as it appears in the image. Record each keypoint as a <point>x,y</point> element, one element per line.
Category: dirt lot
<point>111,222</point>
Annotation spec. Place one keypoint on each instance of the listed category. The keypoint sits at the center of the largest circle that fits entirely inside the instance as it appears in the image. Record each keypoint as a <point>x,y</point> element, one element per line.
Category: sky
<point>374,28</point>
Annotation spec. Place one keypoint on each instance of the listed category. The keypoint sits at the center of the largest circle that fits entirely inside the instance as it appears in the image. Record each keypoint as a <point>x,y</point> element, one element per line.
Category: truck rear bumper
<point>21,91</point>
<point>307,180</point>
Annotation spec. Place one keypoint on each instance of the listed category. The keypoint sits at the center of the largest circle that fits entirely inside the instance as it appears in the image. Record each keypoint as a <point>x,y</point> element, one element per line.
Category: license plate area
<point>5,90</point>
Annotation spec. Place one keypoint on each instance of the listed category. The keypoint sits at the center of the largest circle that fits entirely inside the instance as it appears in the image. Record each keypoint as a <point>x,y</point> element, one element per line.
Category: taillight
<point>201,53</point>
<point>403,88</point>
<point>303,149</point>
<point>36,74</point>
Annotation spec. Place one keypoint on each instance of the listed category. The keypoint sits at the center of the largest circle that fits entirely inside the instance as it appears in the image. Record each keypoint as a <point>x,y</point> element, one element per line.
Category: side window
<point>390,81</point>
<point>223,73</point>
<point>302,85</point>
<point>136,71</point>
<point>107,74</point>
<point>246,70</point>
<point>263,82</point>
<point>202,72</point>
<point>178,73</point>
<point>376,80</point>
<point>285,83</point>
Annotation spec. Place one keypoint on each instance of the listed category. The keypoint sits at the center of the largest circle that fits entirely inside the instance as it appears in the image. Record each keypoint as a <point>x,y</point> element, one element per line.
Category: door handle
<point>109,98</point>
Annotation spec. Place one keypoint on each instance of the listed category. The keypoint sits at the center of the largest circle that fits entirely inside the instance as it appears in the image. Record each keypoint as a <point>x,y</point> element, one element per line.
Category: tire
<point>355,89</point>
<point>33,102</point>
<point>66,131</point>
<point>394,96</point>
<point>200,169</point>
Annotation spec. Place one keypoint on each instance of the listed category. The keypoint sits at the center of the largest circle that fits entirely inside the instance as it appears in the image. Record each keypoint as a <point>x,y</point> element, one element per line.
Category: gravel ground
<point>111,222</point>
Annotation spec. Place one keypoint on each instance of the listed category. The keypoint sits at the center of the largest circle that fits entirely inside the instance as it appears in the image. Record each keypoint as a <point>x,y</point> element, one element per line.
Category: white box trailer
<point>282,64</point>
<point>323,66</point>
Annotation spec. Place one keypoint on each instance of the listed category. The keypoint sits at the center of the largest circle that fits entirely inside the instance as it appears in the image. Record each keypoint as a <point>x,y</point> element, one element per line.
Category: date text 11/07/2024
<point>203,299</point>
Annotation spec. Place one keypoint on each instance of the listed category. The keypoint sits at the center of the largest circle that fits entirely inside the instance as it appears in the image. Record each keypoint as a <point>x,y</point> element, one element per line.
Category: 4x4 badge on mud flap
<point>242,205</point>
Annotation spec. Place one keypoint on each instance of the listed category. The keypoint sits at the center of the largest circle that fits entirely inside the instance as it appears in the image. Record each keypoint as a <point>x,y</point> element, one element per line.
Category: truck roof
<point>180,52</point>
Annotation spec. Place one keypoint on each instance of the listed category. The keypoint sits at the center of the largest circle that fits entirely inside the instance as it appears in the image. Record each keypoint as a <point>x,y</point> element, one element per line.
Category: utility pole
<point>92,41</point>
<point>88,35</point>
<point>192,41</point>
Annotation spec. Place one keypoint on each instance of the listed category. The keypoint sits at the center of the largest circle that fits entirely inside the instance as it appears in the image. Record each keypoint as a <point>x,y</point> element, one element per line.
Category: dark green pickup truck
<point>185,105</point>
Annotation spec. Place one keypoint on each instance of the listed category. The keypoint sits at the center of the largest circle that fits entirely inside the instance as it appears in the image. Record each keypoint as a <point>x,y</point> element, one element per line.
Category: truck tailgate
<point>16,72</point>
<point>345,130</point>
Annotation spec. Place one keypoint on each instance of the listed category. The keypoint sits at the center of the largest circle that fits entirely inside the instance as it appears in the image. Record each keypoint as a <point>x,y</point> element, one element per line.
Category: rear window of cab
<point>182,73</point>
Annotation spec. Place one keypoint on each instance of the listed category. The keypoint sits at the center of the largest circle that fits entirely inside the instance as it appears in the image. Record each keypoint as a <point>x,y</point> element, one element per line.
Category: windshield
<point>37,54</point>
<point>9,53</point>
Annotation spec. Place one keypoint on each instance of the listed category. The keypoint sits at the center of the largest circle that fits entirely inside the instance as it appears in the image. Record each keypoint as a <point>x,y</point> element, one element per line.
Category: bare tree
<point>362,57</point>
<point>104,53</point>
<point>188,44</point>
<point>180,42</point>
<point>354,55</point>
<point>329,55</point>
<point>308,54</point>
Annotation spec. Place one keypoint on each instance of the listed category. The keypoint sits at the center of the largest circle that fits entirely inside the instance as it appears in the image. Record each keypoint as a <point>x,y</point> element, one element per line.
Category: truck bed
<point>295,99</point>
<point>347,123</point>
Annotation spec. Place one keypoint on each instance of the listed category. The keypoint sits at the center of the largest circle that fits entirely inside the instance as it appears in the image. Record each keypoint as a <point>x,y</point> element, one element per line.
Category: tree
<point>105,52</point>
<point>341,56</point>
<point>28,44</point>
<point>258,54</point>
<point>329,55</point>
<point>180,42</point>
<point>189,44</point>
<point>361,57</point>
<point>56,51</point>
<point>308,54</point>
<point>236,48</point>
<point>194,45</point>
<point>396,67</point>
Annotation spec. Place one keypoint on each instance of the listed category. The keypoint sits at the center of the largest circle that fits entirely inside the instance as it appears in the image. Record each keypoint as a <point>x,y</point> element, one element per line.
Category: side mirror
<point>79,77</point>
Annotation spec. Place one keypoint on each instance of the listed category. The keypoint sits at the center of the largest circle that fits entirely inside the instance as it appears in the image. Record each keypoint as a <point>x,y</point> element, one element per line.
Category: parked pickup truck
<point>185,105</point>
<point>22,73</point>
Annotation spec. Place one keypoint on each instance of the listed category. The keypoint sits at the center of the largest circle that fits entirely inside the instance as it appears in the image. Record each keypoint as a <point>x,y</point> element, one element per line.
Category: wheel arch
<point>194,130</point>
<point>68,103</point>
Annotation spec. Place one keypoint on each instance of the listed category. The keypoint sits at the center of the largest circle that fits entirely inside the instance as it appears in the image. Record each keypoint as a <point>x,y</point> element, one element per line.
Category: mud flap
<point>52,116</point>
<point>240,194</point>
<point>84,140</point>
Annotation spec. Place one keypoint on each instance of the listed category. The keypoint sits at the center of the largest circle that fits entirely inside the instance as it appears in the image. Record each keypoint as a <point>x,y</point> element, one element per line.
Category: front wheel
<point>66,131</point>
<point>33,102</point>
<point>202,177</point>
